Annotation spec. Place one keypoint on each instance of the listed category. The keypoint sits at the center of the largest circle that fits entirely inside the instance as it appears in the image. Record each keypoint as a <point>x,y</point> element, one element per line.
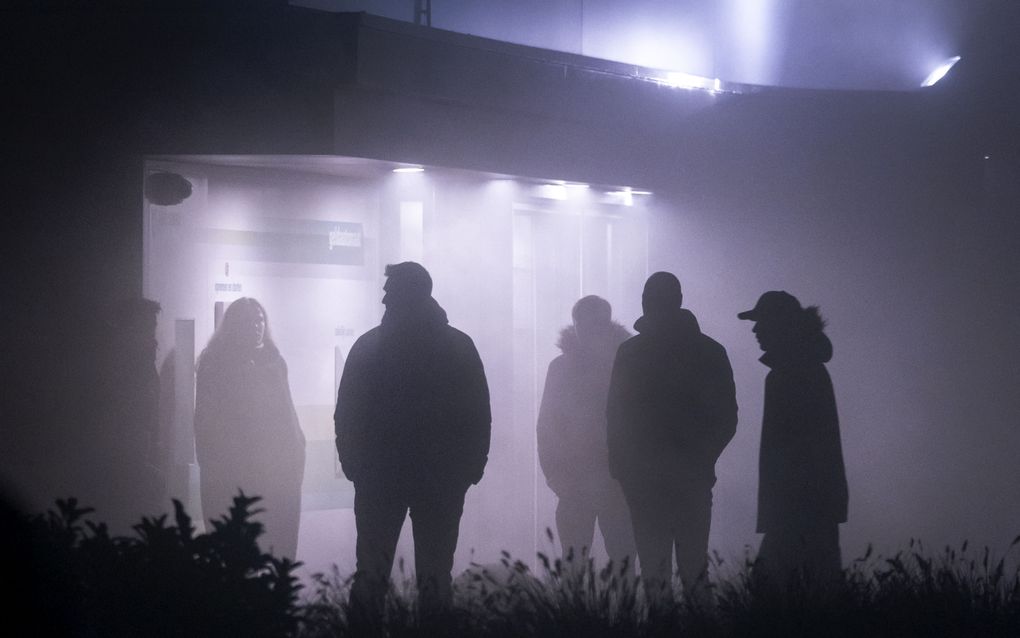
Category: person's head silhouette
<point>243,332</point>
<point>244,324</point>
<point>590,315</point>
<point>782,324</point>
<point>662,294</point>
<point>407,285</point>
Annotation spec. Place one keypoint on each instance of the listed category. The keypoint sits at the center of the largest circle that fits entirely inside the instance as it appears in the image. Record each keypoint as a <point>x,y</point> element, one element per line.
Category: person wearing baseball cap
<point>802,488</point>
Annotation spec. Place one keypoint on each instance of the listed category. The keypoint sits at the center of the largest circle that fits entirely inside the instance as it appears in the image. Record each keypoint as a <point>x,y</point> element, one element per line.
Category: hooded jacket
<point>801,476</point>
<point>572,418</point>
<point>672,404</point>
<point>413,404</point>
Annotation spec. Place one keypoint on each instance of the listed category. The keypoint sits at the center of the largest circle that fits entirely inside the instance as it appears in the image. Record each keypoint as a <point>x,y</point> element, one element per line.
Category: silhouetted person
<point>802,490</point>
<point>671,411</point>
<point>412,432</point>
<point>247,434</point>
<point>572,434</point>
<point>130,459</point>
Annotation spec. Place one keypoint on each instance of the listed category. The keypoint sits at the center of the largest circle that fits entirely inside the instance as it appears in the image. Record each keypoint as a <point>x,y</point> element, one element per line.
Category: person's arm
<point>549,428</point>
<point>618,403</point>
<point>479,416</point>
<point>210,416</point>
<point>719,404</point>
<point>352,404</point>
<point>299,434</point>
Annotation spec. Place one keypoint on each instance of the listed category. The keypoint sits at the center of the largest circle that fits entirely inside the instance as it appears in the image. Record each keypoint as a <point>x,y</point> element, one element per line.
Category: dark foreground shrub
<point>166,580</point>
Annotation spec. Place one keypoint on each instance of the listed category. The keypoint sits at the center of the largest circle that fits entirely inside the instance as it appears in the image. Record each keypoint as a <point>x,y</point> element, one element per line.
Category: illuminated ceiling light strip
<point>940,71</point>
<point>680,80</point>
<point>625,196</point>
<point>409,169</point>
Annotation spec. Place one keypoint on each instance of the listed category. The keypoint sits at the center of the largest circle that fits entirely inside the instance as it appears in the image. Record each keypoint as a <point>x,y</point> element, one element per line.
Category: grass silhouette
<point>166,580</point>
<point>912,593</point>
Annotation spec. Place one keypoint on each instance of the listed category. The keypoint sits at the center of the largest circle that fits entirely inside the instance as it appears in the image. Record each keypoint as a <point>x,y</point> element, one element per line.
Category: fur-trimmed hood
<point>602,343</point>
<point>812,345</point>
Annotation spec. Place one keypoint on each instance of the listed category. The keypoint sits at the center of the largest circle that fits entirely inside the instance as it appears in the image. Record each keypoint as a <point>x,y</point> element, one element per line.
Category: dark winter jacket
<point>801,478</point>
<point>672,405</point>
<point>247,433</point>
<point>413,405</point>
<point>572,419</point>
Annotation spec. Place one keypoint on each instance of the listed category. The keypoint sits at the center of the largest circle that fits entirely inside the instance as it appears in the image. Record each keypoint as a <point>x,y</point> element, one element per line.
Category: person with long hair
<point>247,435</point>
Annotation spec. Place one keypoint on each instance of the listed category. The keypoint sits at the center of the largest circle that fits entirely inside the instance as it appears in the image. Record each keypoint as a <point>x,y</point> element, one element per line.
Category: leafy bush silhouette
<point>166,580</point>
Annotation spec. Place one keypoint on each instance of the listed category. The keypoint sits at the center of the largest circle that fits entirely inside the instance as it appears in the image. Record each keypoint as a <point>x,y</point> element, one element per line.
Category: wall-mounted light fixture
<point>940,71</point>
<point>166,189</point>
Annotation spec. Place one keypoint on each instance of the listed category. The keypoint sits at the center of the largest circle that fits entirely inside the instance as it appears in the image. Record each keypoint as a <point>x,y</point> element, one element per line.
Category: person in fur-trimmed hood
<point>802,488</point>
<point>572,434</point>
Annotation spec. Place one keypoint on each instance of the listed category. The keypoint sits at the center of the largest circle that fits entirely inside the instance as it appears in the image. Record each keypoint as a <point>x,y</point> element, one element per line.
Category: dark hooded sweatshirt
<point>672,404</point>
<point>572,419</point>
<point>413,405</point>
<point>801,477</point>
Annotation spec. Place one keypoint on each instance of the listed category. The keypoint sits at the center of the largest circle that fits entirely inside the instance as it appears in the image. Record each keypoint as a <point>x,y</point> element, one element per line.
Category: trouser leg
<point>378,519</point>
<point>776,563</point>
<point>801,554</point>
<point>823,563</point>
<point>650,512</point>
<point>575,523</point>
<point>618,531</point>
<point>435,520</point>
<point>693,521</point>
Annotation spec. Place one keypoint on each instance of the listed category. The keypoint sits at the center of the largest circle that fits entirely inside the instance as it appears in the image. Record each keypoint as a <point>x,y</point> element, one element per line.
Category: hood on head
<point>680,322</point>
<point>607,340</point>
<point>812,345</point>
<point>817,344</point>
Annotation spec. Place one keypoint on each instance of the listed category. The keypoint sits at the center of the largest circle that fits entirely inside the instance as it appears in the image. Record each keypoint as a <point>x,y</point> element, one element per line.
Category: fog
<point>923,393</point>
<point>509,257</point>
<point>896,215</point>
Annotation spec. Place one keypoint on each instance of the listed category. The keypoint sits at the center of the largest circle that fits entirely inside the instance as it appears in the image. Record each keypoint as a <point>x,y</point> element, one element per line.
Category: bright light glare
<point>688,81</point>
<point>409,169</point>
<point>625,197</point>
<point>552,191</point>
<point>681,80</point>
<point>940,71</point>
